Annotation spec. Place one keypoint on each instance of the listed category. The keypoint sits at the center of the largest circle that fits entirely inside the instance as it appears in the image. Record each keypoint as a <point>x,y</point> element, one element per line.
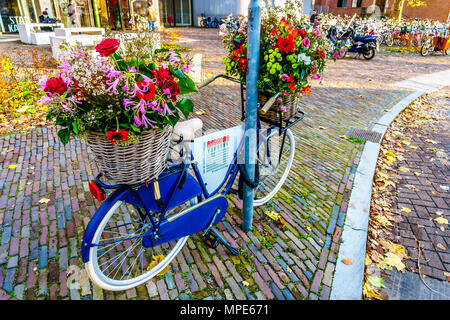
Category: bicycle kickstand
<point>212,237</point>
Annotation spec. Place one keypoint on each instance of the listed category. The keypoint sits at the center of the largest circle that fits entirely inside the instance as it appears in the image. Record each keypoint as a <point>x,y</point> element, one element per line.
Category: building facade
<point>117,14</point>
<point>434,9</point>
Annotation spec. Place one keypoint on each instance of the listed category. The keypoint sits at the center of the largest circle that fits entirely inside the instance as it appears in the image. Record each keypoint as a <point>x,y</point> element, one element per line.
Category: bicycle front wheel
<point>117,258</point>
<point>275,161</point>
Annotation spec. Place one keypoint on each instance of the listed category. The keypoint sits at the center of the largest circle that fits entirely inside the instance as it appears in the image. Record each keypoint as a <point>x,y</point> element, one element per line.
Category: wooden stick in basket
<point>268,104</point>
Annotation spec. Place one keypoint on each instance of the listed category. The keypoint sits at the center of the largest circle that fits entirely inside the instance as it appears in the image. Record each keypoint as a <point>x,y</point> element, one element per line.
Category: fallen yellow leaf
<point>417,173</point>
<point>441,220</point>
<point>12,166</point>
<point>44,200</point>
<point>407,210</point>
<point>431,141</point>
<point>391,260</point>
<point>272,215</point>
<point>406,142</point>
<point>155,261</point>
<point>403,169</point>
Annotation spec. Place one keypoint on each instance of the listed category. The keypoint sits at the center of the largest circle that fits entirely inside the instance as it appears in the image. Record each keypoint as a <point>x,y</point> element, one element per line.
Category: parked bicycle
<point>208,22</point>
<point>139,229</point>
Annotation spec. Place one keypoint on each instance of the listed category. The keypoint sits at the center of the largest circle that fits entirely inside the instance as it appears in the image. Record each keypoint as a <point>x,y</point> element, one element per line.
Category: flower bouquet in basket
<point>291,53</point>
<point>123,106</point>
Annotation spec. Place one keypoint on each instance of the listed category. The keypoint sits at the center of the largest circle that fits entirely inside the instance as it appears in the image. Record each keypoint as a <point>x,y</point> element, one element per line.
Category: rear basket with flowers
<point>123,105</point>
<point>291,52</point>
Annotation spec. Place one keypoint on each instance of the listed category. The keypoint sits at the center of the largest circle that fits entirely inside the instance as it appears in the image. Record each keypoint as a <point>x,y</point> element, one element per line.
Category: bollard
<point>253,48</point>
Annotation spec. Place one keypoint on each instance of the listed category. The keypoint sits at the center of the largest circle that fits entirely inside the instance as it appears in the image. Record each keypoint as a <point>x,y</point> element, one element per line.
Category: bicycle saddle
<point>187,129</point>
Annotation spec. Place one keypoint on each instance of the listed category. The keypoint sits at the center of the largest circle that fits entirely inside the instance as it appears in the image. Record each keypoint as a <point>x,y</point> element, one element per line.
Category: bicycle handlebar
<point>269,103</point>
<point>217,76</point>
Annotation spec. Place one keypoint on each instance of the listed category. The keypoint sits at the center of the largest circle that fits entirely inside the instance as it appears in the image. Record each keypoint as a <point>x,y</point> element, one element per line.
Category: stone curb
<point>348,279</point>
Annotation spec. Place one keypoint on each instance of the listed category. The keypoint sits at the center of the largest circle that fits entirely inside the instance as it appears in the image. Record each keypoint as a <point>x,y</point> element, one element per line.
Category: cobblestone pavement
<point>427,195</point>
<point>40,242</point>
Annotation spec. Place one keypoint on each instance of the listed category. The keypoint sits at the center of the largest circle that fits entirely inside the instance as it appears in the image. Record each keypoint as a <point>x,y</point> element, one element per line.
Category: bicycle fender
<point>97,218</point>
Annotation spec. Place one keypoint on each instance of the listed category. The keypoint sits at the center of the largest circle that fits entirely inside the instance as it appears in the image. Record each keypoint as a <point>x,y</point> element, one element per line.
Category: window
<point>342,3</point>
<point>356,3</point>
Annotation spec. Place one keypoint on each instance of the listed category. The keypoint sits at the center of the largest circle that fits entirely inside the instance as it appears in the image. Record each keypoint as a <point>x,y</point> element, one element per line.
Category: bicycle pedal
<point>210,239</point>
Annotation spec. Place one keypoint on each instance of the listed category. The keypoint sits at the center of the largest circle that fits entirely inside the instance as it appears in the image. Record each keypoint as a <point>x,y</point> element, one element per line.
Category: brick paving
<point>428,197</point>
<point>40,242</point>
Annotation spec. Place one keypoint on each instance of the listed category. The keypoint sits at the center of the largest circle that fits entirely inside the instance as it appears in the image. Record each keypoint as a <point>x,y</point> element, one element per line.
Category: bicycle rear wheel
<point>117,259</point>
<point>273,170</point>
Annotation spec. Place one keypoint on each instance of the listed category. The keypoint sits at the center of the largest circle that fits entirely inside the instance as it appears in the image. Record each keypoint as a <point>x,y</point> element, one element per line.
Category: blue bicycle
<point>139,229</point>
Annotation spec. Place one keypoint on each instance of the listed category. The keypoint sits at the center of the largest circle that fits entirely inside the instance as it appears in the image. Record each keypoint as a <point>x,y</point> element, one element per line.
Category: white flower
<point>303,57</point>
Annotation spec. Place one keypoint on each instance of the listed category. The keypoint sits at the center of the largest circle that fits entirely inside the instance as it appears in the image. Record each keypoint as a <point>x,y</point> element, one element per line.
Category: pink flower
<point>284,77</point>
<point>283,108</point>
<point>316,76</point>
<point>306,42</point>
<point>335,54</point>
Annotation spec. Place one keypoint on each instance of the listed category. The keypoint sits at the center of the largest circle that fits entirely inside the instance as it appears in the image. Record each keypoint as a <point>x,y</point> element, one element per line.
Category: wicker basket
<point>272,114</point>
<point>136,163</point>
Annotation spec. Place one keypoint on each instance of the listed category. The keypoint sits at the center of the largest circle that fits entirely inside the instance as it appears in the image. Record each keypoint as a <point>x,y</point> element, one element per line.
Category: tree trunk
<point>397,9</point>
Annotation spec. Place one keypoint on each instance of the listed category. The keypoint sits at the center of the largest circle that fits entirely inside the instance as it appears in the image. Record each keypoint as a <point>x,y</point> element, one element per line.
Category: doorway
<point>176,12</point>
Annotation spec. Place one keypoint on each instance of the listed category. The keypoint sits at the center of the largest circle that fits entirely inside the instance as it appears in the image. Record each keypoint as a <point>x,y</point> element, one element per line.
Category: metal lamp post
<point>253,48</point>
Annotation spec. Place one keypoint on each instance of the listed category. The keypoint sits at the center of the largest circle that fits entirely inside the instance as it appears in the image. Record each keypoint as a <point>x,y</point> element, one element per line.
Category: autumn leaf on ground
<point>403,169</point>
<point>245,283</point>
<point>390,261</point>
<point>370,293</point>
<point>404,209</point>
<point>376,282</point>
<point>413,147</point>
<point>321,128</point>
<point>289,270</point>
<point>441,220</point>
<point>400,157</point>
<point>272,215</point>
<point>199,112</point>
<point>12,166</point>
<point>44,200</point>
<point>407,143</point>
<point>431,141</point>
<point>383,221</point>
<point>441,247</point>
<point>417,173</point>
<point>347,261</point>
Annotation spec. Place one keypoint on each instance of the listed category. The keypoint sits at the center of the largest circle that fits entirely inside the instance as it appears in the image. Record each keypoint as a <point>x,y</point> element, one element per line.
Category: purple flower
<point>127,103</point>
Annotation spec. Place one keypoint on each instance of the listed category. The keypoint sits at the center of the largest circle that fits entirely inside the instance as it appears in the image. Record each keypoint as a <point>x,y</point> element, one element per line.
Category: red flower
<point>117,136</point>
<point>55,85</point>
<point>321,54</point>
<point>161,74</point>
<point>306,90</point>
<point>172,87</point>
<point>302,33</point>
<point>107,47</point>
<point>285,44</point>
<point>148,90</point>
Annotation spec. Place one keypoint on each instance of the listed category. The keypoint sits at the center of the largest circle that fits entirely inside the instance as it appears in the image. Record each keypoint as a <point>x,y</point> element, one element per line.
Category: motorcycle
<point>363,45</point>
